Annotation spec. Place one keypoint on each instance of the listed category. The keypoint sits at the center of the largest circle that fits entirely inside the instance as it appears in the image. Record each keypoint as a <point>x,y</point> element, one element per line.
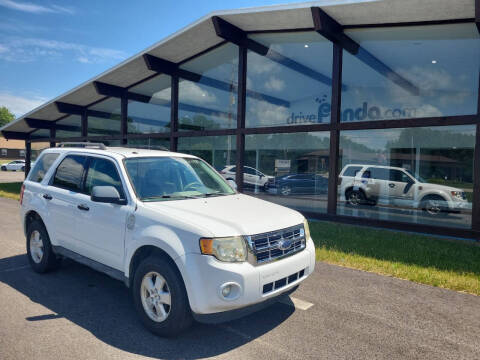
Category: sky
<point>49,47</point>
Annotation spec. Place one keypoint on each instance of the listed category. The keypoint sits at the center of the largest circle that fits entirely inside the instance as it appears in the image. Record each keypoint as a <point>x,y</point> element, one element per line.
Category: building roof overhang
<point>202,35</point>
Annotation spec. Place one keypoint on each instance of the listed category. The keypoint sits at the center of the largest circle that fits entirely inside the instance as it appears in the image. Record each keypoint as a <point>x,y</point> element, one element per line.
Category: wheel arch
<point>31,216</point>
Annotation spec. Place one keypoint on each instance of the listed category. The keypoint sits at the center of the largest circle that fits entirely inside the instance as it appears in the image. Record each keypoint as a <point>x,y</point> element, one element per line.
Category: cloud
<point>192,93</point>
<point>31,49</point>
<point>20,105</point>
<point>275,84</point>
<point>35,8</point>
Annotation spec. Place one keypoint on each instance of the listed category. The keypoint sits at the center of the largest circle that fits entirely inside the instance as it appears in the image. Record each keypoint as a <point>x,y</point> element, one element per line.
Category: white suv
<point>169,226</point>
<point>251,177</point>
<point>372,184</point>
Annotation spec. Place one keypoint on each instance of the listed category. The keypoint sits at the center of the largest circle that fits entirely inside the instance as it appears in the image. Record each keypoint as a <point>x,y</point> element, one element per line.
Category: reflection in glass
<point>71,126</point>
<point>153,115</point>
<point>218,151</point>
<point>407,72</point>
<point>104,118</point>
<point>421,175</point>
<point>288,169</point>
<point>149,143</point>
<point>210,100</point>
<point>291,85</point>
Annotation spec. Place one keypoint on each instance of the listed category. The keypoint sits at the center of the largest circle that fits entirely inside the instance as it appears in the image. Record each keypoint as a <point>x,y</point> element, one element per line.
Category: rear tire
<point>160,297</point>
<point>4,168</point>
<point>39,249</point>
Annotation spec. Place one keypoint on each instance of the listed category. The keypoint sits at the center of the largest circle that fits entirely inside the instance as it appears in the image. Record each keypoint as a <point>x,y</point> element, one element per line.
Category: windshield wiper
<point>214,194</point>
<point>169,197</point>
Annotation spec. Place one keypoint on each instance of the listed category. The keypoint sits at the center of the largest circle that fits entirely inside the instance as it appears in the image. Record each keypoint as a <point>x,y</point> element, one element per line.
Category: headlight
<point>230,249</point>
<point>307,229</point>
<point>457,194</point>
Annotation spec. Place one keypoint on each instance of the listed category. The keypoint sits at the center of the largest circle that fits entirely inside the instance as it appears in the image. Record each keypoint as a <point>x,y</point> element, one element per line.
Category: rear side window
<point>352,170</point>
<point>377,173</point>
<point>102,172</point>
<point>69,174</point>
<point>43,164</point>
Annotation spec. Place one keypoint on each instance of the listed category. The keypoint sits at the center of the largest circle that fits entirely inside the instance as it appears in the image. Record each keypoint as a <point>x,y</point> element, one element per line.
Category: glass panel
<point>411,72</point>
<point>149,143</point>
<point>152,116</point>
<point>291,85</point>
<point>40,134</point>
<point>37,148</point>
<point>106,118</point>
<point>210,102</point>
<point>288,169</point>
<point>69,127</point>
<point>419,175</point>
<point>218,151</point>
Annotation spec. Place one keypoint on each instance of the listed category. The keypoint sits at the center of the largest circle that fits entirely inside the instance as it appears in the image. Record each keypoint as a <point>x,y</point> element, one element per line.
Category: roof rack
<point>90,145</point>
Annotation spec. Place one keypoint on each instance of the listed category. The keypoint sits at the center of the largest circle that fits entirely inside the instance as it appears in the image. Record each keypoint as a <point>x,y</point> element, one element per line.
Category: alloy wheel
<point>156,297</point>
<point>36,246</point>
<point>433,207</point>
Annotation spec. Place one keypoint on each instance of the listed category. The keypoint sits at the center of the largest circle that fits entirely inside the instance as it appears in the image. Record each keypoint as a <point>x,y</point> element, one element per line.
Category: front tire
<point>160,297</point>
<point>434,205</point>
<point>4,168</point>
<point>39,249</point>
<point>355,198</point>
<point>285,190</point>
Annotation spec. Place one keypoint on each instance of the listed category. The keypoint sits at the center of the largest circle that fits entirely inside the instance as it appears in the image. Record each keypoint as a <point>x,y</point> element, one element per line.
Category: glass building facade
<point>385,134</point>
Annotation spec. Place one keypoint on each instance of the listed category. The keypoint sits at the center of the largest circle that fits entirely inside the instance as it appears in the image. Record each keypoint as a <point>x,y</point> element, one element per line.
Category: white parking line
<point>299,304</point>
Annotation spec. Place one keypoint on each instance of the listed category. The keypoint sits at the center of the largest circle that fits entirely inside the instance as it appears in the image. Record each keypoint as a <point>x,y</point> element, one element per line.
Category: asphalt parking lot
<point>77,313</point>
<point>11,176</point>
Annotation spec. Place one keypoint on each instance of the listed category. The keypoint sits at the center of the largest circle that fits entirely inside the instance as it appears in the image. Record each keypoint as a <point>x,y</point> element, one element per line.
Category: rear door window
<point>352,170</point>
<point>42,166</point>
<point>70,172</point>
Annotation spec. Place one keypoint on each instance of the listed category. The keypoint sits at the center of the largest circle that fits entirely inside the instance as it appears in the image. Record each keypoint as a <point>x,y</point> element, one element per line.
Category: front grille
<point>272,245</point>
<point>280,283</point>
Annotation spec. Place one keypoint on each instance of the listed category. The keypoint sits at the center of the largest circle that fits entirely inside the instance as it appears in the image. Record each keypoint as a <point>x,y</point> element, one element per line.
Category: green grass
<point>450,264</point>
<point>10,190</point>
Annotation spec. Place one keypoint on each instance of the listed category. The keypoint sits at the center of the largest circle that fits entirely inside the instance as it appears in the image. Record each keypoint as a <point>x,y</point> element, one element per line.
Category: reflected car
<point>301,184</point>
<point>372,184</point>
<point>251,176</point>
<point>15,165</point>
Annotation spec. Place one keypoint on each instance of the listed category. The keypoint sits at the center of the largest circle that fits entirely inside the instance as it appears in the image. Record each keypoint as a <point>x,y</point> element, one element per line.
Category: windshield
<point>417,177</point>
<point>174,178</point>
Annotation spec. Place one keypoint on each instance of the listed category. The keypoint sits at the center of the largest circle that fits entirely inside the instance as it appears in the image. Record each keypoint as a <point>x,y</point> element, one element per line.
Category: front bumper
<point>204,277</point>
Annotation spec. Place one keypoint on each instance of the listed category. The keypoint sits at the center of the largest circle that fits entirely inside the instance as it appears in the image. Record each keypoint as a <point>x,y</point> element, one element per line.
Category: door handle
<point>391,185</point>
<point>83,207</point>
<point>47,196</point>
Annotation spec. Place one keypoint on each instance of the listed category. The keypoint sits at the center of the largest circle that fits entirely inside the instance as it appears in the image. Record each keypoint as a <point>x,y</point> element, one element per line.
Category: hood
<point>440,187</point>
<point>228,215</point>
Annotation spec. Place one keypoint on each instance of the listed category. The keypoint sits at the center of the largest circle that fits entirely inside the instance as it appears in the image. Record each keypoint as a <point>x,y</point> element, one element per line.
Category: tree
<point>5,116</point>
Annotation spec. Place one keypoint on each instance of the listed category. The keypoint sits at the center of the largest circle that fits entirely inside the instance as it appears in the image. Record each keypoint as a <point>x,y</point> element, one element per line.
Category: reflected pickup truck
<point>180,236</point>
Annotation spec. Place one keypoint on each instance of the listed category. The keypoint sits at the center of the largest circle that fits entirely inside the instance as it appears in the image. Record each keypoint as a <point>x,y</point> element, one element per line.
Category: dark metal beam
<point>14,135</point>
<point>71,109</point>
<point>163,66</point>
<point>241,111</point>
<point>477,14</point>
<point>237,36</point>
<point>28,157</point>
<point>124,118</point>
<point>53,134</point>
<point>39,124</point>
<point>326,26</point>
<point>174,113</point>
<point>108,89</point>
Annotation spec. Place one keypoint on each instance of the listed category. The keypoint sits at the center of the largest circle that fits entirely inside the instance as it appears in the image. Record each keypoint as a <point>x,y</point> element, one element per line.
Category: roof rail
<point>100,146</point>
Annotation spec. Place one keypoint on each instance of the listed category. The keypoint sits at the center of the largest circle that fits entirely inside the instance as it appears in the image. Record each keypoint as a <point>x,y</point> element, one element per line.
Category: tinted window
<point>397,175</point>
<point>102,172</point>
<point>352,170</point>
<point>249,171</point>
<point>70,172</point>
<point>41,167</point>
<point>378,173</point>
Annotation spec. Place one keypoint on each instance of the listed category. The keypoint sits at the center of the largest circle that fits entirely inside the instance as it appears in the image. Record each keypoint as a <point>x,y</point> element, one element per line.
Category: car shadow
<point>103,306</point>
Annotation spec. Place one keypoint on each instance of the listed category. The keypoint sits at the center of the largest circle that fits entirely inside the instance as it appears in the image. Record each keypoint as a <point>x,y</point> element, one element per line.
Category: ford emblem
<point>285,244</point>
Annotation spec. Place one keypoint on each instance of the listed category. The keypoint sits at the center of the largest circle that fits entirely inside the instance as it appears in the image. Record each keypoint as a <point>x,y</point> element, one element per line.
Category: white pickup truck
<point>168,225</point>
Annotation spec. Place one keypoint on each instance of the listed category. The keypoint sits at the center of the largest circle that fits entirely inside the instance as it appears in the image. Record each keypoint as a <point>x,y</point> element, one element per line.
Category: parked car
<point>370,184</point>
<point>299,184</point>
<point>251,177</point>
<point>15,165</point>
<point>166,224</point>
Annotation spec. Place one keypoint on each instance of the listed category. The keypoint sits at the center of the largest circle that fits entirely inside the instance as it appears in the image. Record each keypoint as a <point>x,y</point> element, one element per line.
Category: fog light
<point>226,290</point>
<point>230,291</point>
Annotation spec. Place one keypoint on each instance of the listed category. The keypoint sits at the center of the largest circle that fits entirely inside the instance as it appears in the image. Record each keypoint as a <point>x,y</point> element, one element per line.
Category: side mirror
<point>107,194</point>
<point>233,184</point>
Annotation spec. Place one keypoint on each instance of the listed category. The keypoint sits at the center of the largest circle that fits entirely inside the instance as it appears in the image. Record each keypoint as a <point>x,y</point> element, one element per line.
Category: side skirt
<point>95,265</point>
